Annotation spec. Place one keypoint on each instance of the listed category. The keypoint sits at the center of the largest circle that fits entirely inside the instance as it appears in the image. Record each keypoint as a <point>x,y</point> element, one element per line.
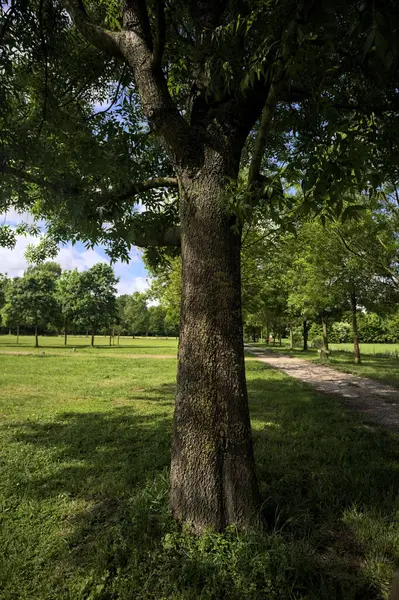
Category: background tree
<point>97,300</point>
<point>32,297</point>
<point>166,289</point>
<point>12,311</point>
<point>67,294</point>
<point>136,314</point>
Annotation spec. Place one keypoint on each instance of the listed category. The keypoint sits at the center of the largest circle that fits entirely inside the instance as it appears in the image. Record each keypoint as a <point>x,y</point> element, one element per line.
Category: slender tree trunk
<point>213,480</point>
<point>267,335</point>
<point>17,334</point>
<point>110,338</point>
<point>305,335</point>
<point>291,338</point>
<point>92,338</point>
<point>118,340</point>
<point>66,333</point>
<point>356,347</point>
<point>279,339</point>
<point>325,335</point>
<point>9,331</point>
<point>36,337</point>
<point>253,334</point>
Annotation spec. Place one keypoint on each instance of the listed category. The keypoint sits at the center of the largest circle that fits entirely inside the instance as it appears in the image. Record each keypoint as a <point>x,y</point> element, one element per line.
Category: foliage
<point>68,295</point>
<point>166,289</point>
<point>76,131</point>
<point>340,332</point>
<point>30,299</point>
<point>135,314</point>
<point>96,307</point>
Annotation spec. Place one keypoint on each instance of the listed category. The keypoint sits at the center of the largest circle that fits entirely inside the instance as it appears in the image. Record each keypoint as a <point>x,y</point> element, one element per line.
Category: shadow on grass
<point>328,477</point>
<point>319,469</point>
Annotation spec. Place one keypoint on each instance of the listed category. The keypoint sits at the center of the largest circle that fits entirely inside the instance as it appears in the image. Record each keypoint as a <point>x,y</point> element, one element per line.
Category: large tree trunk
<point>325,335</point>
<point>356,347</point>
<point>305,335</point>
<point>213,480</point>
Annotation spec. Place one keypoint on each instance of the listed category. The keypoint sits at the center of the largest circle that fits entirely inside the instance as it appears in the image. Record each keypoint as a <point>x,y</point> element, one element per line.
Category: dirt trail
<point>378,401</point>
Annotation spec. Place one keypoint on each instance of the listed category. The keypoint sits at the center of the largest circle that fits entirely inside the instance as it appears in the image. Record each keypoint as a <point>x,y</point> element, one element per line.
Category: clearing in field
<point>85,440</point>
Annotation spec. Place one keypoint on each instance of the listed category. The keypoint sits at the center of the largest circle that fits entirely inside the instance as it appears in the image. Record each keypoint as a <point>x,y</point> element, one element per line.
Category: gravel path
<point>378,401</point>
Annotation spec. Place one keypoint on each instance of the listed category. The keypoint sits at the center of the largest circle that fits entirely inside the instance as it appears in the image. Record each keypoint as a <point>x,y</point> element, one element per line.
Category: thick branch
<point>135,18</point>
<point>133,190</point>
<point>134,44</point>
<point>264,128</point>
<point>25,176</point>
<point>108,41</point>
<point>145,186</point>
<point>160,38</point>
<point>158,105</point>
<point>149,239</point>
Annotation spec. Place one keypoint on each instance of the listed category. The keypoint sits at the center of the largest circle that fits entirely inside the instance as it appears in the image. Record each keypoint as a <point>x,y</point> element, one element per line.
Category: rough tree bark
<point>325,335</point>
<point>213,481</point>
<point>305,335</point>
<point>356,347</point>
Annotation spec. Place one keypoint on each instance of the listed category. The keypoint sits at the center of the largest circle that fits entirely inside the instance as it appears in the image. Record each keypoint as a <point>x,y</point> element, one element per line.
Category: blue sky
<point>132,277</point>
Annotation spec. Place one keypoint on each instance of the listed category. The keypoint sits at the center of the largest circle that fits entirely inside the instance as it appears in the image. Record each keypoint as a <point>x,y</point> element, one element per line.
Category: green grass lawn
<point>55,345</point>
<point>378,360</point>
<point>85,449</point>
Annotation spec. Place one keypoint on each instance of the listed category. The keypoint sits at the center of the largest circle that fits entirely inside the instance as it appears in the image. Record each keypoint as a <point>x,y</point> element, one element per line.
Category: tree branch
<point>149,239</point>
<point>133,190</point>
<point>264,128</point>
<point>25,176</point>
<point>136,19</point>
<point>108,41</point>
<point>158,106</point>
<point>160,38</point>
<point>150,184</point>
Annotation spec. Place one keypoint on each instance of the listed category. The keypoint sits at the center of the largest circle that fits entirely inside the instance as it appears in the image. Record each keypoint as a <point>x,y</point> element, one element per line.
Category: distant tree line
<point>47,300</point>
<point>318,281</point>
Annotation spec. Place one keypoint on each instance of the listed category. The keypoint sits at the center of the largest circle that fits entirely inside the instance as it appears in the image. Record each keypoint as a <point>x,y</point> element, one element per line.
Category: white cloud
<point>134,284</point>
<point>69,257</point>
<point>13,261</point>
<point>12,217</point>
